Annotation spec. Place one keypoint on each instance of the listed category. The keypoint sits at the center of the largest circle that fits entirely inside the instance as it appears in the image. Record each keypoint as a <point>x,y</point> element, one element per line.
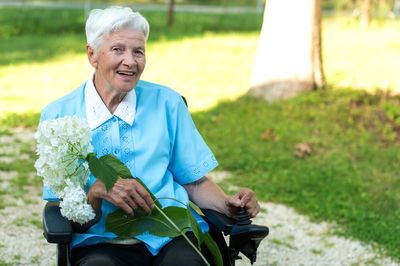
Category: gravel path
<point>293,239</point>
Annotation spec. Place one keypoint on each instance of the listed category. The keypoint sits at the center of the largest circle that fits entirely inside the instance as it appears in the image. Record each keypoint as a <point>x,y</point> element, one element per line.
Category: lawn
<point>351,176</point>
<point>353,127</point>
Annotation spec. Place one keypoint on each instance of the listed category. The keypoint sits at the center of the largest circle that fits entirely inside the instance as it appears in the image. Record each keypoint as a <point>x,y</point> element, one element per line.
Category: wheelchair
<point>244,237</point>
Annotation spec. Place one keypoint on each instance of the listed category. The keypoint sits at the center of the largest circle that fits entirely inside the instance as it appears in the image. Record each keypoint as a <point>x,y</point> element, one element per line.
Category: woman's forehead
<point>124,36</point>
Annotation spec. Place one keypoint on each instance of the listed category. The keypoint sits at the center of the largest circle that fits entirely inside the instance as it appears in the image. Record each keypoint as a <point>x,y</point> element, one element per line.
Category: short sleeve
<point>49,195</point>
<point>191,158</point>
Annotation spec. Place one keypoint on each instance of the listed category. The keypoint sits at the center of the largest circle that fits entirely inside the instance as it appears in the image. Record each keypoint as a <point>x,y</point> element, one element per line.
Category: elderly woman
<point>148,127</point>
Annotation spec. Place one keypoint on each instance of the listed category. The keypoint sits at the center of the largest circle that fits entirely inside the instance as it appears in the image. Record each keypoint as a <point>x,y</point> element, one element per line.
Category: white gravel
<point>22,242</point>
<point>293,239</point>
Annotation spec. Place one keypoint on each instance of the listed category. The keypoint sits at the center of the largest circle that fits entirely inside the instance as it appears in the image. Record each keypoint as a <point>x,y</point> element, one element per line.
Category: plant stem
<point>183,234</point>
<point>161,198</point>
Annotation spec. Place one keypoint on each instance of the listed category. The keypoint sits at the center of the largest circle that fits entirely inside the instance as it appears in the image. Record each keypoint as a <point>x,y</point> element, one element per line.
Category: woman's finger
<point>114,196</point>
<point>136,193</point>
<point>144,194</point>
<point>246,195</point>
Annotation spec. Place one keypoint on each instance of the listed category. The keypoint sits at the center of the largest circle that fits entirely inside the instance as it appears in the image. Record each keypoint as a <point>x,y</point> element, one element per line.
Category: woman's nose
<point>129,59</point>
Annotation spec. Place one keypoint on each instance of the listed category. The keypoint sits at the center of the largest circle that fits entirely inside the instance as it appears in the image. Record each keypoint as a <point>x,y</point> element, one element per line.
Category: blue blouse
<point>162,147</point>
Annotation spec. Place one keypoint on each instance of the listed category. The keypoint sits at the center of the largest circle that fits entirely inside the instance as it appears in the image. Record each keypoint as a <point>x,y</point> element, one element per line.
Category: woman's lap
<point>176,252</point>
<point>111,254</point>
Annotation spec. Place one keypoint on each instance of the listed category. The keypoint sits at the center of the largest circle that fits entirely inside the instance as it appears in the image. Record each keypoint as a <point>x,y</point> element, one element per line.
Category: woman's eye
<point>139,53</point>
<point>117,49</point>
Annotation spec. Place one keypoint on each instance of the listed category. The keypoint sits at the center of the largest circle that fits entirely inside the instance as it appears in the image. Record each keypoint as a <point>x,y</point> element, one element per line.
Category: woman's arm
<point>208,195</point>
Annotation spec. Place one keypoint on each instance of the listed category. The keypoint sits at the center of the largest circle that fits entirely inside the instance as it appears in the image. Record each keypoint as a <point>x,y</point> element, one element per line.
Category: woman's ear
<point>92,55</point>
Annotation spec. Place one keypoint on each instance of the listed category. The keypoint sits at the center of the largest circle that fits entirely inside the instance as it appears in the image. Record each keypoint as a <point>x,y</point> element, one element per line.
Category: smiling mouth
<point>126,73</point>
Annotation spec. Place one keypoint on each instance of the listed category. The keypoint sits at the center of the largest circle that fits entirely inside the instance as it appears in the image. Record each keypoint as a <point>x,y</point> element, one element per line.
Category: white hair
<point>102,22</point>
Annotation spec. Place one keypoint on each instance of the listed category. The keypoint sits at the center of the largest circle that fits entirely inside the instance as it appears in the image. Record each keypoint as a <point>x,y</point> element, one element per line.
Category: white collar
<point>97,112</point>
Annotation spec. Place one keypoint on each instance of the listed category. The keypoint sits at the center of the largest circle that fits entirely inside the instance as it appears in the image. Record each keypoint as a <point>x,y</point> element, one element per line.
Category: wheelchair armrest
<point>244,236</point>
<point>247,238</point>
<point>222,222</point>
<point>57,229</point>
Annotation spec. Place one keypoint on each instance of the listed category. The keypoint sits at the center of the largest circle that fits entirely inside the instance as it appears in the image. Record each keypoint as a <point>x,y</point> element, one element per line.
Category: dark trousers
<point>177,252</point>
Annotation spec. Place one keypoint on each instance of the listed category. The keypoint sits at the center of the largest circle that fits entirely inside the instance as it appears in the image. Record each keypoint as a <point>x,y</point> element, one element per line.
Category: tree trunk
<point>396,8</point>
<point>288,58</point>
<point>171,12</point>
<point>366,13</point>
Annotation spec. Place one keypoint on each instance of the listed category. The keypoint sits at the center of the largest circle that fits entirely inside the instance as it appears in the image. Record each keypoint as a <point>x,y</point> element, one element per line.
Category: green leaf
<point>102,170</point>
<point>124,225</point>
<point>196,208</point>
<point>122,170</point>
<point>214,249</point>
<point>198,233</point>
<point>162,226</point>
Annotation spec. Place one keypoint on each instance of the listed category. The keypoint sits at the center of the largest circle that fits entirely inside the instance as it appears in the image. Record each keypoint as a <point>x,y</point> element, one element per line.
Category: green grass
<point>316,251</point>
<point>37,223</point>
<point>362,58</point>
<point>250,3</point>
<point>217,52</point>
<point>352,175</point>
<point>12,120</point>
<point>44,21</point>
<point>47,60</point>
<point>350,178</point>
<point>20,165</point>
<point>25,177</point>
<point>282,243</point>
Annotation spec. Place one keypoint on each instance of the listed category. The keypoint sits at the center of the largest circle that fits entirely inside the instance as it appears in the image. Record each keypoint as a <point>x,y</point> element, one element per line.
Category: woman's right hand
<point>128,194</point>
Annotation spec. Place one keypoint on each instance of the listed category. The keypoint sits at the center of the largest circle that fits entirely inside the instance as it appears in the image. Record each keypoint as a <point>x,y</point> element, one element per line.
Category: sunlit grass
<point>205,69</point>
<point>30,86</point>
<point>362,58</point>
<point>198,56</point>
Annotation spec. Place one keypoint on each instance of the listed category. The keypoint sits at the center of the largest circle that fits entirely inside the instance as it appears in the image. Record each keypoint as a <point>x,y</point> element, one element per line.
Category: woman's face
<point>119,61</point>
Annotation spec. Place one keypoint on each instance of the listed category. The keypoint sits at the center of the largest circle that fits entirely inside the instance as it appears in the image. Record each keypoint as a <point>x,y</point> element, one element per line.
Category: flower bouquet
<point>65,161</point>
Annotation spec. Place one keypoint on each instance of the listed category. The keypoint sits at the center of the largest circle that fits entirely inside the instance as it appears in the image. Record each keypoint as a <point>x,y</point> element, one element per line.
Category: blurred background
<point>346,169</point>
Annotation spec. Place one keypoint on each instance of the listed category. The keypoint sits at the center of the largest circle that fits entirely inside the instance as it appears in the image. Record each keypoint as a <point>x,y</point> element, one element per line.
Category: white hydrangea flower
<point>74,206</point>
<point>62,146</point>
